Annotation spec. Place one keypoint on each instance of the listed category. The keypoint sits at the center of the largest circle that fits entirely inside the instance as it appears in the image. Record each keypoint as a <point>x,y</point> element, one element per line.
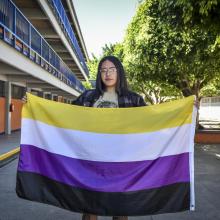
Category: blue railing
<point>62,17</point>
<point>17,31</point>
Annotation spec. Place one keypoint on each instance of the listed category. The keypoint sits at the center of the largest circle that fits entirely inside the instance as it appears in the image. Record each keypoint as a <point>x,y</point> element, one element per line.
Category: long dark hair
<point>121,85</point>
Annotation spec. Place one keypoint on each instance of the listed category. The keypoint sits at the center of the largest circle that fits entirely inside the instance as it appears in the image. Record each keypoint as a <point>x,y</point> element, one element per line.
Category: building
<point>42,51</point>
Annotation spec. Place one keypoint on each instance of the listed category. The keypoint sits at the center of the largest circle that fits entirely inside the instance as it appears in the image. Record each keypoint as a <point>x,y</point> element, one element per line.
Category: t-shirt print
<point>106,104</point>
<point>108,100</point>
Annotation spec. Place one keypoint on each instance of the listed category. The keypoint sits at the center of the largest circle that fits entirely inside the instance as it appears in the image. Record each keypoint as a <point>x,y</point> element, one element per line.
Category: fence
<point>62,17</point>
<point>17,31</point>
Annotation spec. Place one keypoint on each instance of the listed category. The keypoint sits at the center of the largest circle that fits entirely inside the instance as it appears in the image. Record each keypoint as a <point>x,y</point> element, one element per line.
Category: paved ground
<point>207,177</point>
<point>9,142</point>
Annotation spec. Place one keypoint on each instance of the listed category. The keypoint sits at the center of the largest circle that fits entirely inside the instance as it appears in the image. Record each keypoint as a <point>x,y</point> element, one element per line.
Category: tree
<point>213,88</point>
<point>155,92</point>
<point>113,49</point>
<point>162,52</point>
<point>205,13</point>
<point>92,66</point>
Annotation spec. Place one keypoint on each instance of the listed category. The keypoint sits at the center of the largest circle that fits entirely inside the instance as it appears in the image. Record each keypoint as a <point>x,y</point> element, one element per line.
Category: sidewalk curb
<point>9,156</point>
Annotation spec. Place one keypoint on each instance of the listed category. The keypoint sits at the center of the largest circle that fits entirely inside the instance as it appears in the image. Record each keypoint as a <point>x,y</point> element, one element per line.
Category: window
<point>47,96</point>
<point>2,89</point>
<point>17,92</point>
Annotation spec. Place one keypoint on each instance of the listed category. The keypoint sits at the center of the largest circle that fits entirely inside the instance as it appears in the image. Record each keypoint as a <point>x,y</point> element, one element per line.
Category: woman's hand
<point>24,99</point>
<point>196,103</point>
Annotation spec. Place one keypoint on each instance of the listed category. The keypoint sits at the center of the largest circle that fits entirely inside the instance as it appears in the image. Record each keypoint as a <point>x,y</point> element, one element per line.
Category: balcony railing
<point>17,31</point>
<point>65,24</point>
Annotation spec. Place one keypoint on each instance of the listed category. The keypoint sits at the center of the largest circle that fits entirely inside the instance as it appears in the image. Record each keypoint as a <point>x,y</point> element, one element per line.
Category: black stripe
<point>172,198</point>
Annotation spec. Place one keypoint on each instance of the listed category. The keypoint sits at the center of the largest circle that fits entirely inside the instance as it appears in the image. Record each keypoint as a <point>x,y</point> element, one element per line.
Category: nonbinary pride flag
<point>108,161</point>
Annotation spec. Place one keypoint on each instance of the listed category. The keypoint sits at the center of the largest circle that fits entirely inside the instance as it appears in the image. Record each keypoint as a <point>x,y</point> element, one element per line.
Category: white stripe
<point>106,147</point>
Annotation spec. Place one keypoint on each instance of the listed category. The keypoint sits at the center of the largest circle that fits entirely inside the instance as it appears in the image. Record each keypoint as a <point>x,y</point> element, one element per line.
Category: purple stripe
<point>105,176</point>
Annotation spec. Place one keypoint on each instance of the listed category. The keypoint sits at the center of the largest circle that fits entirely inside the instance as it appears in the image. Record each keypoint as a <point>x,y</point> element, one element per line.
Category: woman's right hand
<point>24,99</point>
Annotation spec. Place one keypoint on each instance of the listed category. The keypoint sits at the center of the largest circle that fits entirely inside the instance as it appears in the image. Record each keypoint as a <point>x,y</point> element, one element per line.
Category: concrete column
<point>52,96</point>
<point>44,95</point>
<point>29,89</point>
<point>7,107</point>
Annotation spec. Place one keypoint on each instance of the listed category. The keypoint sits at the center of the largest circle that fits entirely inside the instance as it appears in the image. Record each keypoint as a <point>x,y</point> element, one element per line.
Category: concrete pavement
<point>9,142</point>
<point>9,147</point>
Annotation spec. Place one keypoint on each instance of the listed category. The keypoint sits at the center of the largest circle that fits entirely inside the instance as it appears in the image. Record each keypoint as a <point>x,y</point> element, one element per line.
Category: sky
<point>103,21</point>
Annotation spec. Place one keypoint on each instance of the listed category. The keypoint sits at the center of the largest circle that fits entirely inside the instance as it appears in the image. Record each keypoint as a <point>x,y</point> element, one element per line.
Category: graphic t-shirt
<point>108,100</point>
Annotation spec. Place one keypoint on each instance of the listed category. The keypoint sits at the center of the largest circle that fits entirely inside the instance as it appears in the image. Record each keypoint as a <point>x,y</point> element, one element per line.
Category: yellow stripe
<point>109,120</point>
<point>9,154</point>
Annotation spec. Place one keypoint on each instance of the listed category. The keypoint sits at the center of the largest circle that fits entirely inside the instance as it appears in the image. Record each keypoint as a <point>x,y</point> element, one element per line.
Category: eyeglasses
<point>110,70</point>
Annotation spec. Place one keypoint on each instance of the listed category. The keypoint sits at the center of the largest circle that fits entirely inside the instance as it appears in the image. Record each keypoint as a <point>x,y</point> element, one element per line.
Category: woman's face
<point>108,74</point>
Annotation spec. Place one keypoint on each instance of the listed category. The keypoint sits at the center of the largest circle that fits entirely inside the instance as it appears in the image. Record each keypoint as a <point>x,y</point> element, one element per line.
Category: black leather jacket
<point>89,97</point>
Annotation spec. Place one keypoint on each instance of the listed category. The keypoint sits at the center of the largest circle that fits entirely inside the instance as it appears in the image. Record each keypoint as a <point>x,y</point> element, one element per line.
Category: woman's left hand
<point>196,103</point>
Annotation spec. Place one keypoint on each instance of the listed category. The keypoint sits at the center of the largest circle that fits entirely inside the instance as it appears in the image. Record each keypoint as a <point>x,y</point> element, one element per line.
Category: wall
<point>2,114</point>
<point>207,137</point>
<point>15,116</point>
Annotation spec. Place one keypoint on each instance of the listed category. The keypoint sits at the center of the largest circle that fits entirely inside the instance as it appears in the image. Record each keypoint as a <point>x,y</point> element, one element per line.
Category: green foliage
<point>157,50</point>
<point>93,66</point>
<point>212,89</point>
<point>205,13</point>
<point>87,84</point>
<point>154,92</point>
<point>113,49</point>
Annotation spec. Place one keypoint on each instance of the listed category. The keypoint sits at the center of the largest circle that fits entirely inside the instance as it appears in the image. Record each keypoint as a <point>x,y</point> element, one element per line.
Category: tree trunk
<point>187,91</point>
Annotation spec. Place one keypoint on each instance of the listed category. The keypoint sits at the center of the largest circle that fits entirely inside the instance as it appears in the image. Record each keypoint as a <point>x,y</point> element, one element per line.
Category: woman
<point>111,88</point>
<point>111,92</point>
